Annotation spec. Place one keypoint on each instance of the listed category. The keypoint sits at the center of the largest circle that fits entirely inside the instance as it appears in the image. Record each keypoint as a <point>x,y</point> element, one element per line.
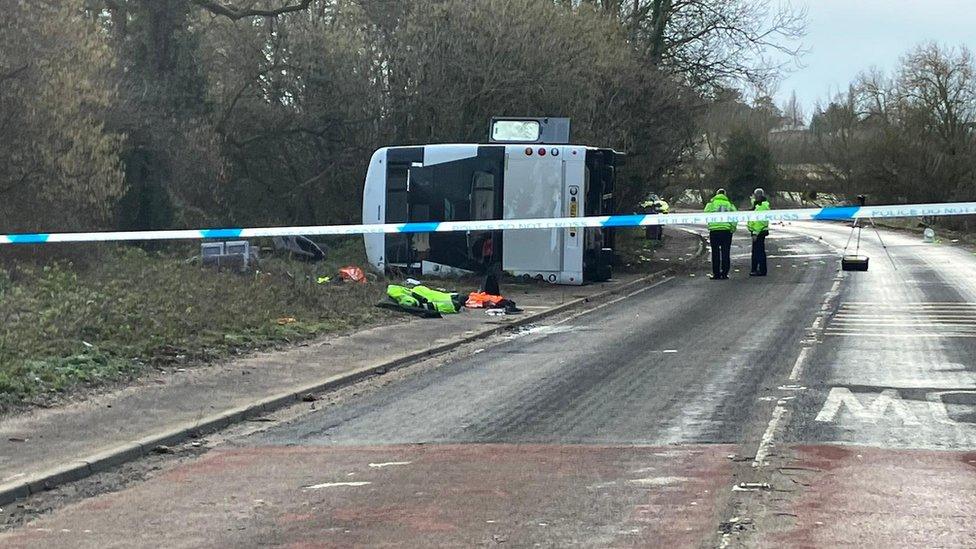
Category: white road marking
<point>938,406</point>
<point>908,322</point>
<point>766,443</point>
<point>389,464</point>
<point>851,333</point>
<point>877,311</point>
<point>913,304</point>
<point>798,365</point>
<point>335,484</point>
<point>889,399</point>
<point>971,319</point>
<point>658,481</point>
<point>904,320</point>
<point>798,256</point>
<point>906,310</point>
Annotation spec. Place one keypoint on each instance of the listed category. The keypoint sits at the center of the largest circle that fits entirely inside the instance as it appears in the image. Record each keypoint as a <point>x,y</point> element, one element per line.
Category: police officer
<point>720,235</point>
<point>759,231</point>
<point>652,206</point>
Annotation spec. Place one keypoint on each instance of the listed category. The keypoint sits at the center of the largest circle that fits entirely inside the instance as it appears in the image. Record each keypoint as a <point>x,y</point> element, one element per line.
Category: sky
<point>846,37</point>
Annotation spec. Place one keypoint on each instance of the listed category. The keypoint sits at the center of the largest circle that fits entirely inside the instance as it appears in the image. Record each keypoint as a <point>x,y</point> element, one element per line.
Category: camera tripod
<point>856,228</point>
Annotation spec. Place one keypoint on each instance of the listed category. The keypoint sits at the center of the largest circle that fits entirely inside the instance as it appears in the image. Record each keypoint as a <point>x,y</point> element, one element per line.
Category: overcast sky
<point>845,37</point>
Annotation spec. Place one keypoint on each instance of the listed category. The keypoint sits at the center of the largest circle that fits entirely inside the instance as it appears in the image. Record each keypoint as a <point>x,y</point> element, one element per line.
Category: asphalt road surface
<point>809,408</point>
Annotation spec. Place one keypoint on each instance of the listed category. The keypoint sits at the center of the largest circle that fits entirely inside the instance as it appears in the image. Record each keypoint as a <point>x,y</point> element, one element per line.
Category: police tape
<point>842,213</point>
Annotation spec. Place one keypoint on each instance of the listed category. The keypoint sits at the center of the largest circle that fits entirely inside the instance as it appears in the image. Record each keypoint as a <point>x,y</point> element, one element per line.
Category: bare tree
<point>711,42</point>
<point>793,114</point>
<point>908,136</point>
<point>942,84</point>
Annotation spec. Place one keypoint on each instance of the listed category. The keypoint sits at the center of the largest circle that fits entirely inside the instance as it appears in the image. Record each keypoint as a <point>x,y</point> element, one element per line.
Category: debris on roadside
<point>751,487</point>
<point>300,247</point>
<point>482,300</point>
<point>309,398</point>
<point>237,255</point>
<point>352,273</point>
<point>734,524</point>
<point>162,449</point>
<point>423,301</point>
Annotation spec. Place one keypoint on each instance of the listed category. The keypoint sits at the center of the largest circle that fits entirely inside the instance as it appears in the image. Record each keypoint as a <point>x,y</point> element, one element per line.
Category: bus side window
<point>482,200</point>
<point>482,196</point>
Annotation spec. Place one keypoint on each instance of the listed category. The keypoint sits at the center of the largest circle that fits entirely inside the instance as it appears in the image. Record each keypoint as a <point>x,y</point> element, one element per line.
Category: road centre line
<point>766,443</point>
<point>797,370</point>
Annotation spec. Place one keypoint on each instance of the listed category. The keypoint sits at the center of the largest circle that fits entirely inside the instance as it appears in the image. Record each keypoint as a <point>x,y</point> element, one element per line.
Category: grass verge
<point>65,327</point>
<point>635,253</point>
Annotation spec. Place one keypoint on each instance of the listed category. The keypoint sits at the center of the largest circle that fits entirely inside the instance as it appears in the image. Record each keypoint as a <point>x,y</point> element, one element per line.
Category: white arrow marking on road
<point>888,399</point>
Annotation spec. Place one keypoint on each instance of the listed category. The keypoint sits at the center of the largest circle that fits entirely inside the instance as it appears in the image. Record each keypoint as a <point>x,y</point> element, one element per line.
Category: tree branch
<point>217,8</point>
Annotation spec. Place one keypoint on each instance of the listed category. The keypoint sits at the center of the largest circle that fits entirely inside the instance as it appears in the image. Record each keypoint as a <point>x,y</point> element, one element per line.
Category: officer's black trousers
<point>721,242</point>
<point>759,253</point>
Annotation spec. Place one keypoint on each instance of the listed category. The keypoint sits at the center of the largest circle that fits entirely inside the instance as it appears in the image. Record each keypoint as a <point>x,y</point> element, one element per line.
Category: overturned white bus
<point>528,170</point>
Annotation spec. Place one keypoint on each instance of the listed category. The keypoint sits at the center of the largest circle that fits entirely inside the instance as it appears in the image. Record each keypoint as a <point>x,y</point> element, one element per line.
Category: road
<point>809,408</point>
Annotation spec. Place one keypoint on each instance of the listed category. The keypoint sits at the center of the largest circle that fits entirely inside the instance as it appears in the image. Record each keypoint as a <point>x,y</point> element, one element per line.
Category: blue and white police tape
<point>843,213</point>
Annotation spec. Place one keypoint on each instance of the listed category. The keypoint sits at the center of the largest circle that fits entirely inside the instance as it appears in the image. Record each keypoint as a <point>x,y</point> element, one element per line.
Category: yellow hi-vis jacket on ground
<point>756,227</point>
<point>721,203</point>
